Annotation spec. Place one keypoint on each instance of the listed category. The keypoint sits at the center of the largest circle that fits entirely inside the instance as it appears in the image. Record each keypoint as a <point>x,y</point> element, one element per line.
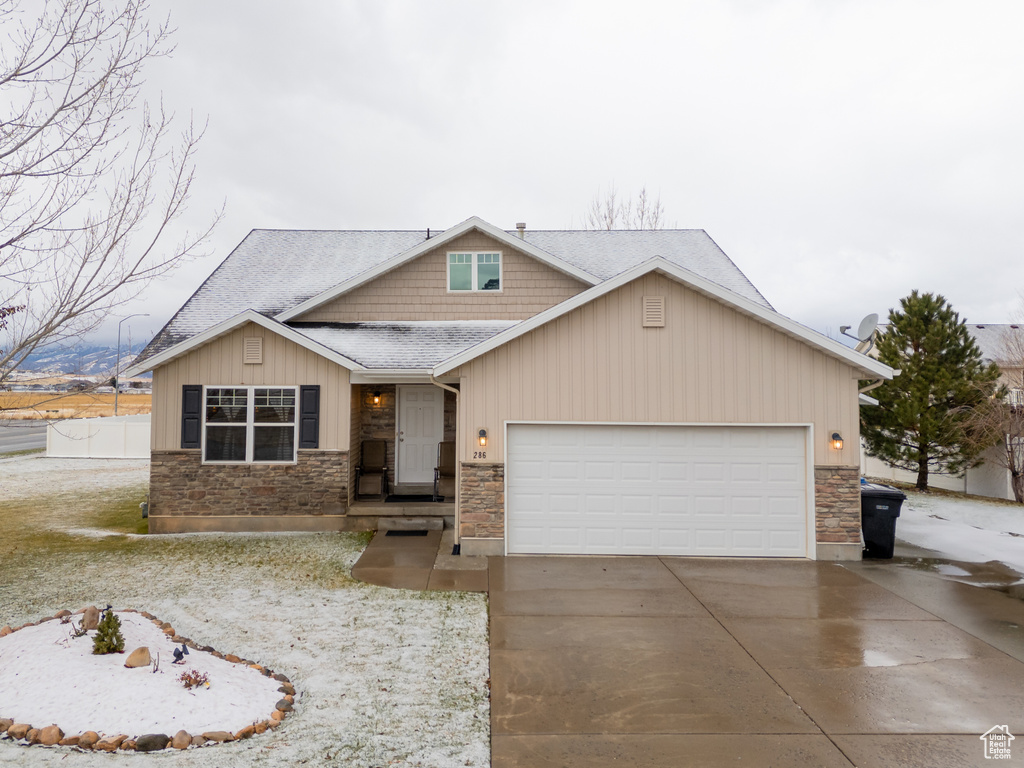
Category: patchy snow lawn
<point>385,677</point>
<point>969,529</point>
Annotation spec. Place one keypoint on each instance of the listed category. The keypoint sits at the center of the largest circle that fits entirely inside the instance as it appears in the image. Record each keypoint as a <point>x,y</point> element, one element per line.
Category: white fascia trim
<point>866,400</point>
<point>391,376</point>
<point>428,245</point>
<point>222,328</point>
<point>693,280</point>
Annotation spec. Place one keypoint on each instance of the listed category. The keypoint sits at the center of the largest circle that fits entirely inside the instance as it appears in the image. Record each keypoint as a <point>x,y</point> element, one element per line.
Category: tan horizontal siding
<point>709,364</point>
<point>220,363</point>
<point>419,290</point>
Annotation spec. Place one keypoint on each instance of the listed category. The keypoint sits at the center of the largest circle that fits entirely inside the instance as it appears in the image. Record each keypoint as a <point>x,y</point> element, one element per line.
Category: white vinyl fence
<point>989,479</point>
<point>110,437</point>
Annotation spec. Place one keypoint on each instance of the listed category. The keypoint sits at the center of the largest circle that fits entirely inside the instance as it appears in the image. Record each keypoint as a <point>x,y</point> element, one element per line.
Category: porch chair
<point>444,472</point>
<point>372,473</point>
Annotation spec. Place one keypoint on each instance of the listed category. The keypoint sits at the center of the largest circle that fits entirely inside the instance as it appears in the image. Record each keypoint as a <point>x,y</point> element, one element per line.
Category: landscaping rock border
<point>52,735</point>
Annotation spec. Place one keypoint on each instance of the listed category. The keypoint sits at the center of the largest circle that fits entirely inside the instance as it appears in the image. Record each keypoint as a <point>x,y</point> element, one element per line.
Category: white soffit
<point>694,281</point>
<point>225,327</point>
<point>439,240</point>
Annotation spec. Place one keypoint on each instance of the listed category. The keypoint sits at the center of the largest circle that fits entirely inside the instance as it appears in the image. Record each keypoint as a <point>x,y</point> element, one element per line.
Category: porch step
<point>410,524</point>
<point>413,509</point>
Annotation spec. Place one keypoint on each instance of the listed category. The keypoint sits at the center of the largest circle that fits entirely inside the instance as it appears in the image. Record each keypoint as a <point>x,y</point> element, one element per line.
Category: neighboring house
<point>614,392</point>
<point>1002,344</point>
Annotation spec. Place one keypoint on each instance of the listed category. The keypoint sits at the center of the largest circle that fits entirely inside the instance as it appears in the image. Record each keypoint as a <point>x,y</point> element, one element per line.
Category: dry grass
<point>75,405</point>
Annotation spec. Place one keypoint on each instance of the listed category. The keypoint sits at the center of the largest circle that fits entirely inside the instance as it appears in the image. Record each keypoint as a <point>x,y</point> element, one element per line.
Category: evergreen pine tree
<point>921,421</point>
<point>108,635</point>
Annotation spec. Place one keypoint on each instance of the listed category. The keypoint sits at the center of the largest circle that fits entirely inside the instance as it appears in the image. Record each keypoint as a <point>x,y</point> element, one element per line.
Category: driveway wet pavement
<point>648,661</point>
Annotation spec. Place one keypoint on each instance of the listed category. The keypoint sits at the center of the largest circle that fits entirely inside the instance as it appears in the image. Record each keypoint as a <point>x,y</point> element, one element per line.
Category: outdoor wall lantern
<point>376,398</point>
<point>481,437</point>
<point>837,441</point>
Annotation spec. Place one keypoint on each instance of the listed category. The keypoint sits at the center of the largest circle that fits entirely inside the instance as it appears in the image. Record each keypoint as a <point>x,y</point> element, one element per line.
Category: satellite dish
<point>867,327</point>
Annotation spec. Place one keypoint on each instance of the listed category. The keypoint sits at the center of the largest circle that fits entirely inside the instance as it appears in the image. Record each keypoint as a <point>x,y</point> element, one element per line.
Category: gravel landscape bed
<point>388,677</point>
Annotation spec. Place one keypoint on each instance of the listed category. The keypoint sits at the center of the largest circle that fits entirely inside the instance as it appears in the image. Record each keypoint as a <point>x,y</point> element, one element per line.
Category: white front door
<point>420,428</point>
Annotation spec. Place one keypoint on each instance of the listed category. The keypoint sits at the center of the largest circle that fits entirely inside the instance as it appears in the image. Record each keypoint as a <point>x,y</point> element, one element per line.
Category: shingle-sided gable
<point>418,289</point>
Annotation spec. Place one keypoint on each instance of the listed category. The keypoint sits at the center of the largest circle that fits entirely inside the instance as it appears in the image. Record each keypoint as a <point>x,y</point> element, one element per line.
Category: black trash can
<point>879,507</point>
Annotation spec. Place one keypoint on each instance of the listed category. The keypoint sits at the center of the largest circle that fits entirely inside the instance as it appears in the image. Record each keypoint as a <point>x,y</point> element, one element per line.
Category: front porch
<point>411,420</point>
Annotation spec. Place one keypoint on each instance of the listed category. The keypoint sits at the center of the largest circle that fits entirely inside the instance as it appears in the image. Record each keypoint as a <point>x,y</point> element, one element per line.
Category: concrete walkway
<point>398,559</point>
<point>672,661</point>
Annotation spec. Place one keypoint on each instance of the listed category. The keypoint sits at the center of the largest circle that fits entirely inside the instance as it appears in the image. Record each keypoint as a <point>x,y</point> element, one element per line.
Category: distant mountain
<point>88,361</point>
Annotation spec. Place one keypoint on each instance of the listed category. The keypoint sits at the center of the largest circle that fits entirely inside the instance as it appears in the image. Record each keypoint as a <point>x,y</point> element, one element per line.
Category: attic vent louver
<point>654,312</point>
<point>252,353</point>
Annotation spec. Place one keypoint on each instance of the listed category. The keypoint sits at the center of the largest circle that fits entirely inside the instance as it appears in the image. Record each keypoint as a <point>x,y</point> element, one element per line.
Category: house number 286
<point>479,454</point>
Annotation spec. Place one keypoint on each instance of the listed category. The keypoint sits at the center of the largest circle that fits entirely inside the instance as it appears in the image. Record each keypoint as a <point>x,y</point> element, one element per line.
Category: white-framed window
<point>246,425</point>
<point>474,271</point>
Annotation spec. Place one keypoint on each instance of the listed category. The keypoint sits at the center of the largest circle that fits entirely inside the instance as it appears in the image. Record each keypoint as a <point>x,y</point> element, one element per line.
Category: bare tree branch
<point>608,211</point>
<point>92,179</point>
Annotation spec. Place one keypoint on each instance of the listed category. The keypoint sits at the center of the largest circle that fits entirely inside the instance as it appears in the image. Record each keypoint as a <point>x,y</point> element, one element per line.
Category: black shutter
<point>309,416</point>
<point>191,415</point>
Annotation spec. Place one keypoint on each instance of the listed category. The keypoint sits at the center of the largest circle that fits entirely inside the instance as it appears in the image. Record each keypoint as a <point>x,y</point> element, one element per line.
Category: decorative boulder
<point>152,742</point>
<point>91,617</point>
<point>19,731</point>
<point>181,740</point>
<point>138,658</point>
<point>218,736</point>
<point>88,739</point>
<point>109,743</point>
<point>50,735</point>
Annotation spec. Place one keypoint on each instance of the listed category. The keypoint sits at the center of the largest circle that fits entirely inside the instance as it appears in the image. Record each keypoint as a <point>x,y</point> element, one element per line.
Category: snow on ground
<point>970,529</point>
<point>386,677</point>
<point>49,676</point>
<point>23,477</point>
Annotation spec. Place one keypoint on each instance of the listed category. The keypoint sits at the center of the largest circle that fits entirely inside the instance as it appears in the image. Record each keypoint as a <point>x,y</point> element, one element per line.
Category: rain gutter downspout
<point>458,453</point>
<point>878,382</point>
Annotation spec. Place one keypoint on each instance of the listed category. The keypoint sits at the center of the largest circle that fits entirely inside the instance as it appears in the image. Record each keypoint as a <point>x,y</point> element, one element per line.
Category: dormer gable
<point>474,275</point>
<point>421,275</point>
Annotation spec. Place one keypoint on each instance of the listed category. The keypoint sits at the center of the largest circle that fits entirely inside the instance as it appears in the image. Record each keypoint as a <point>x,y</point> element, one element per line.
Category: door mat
<point>407,498</point>
<point>406,533</point>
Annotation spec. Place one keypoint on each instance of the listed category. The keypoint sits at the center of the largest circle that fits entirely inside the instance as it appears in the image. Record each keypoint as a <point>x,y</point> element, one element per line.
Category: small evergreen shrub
<point>108,637</point>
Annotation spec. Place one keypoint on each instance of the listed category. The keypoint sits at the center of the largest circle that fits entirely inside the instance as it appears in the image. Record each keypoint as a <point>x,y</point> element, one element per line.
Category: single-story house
<point>613,392</point>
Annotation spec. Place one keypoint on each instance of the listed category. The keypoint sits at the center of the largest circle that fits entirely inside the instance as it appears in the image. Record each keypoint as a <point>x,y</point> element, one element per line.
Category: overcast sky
<point>841,153</point>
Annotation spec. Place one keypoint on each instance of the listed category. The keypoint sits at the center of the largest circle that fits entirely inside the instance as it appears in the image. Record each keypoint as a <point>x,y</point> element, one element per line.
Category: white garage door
<point>665,490</point>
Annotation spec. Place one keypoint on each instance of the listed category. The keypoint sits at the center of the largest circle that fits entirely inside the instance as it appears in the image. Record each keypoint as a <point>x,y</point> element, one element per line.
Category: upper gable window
<point>474,271</point>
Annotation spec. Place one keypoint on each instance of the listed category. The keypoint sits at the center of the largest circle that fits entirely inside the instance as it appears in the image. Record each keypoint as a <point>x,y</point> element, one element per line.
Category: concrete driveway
<point>645,661</point>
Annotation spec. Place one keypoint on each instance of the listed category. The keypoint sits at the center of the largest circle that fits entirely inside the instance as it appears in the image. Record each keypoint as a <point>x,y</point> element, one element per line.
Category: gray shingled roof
<point>273,270</point>
<point>402,345</point>
<point>991,339</point>
<point>607,253</point>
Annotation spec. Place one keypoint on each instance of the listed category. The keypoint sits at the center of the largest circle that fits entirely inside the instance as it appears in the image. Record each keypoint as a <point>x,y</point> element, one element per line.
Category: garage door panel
<point>623,489</point>
<point>746,472</point>
<point>704,471</point>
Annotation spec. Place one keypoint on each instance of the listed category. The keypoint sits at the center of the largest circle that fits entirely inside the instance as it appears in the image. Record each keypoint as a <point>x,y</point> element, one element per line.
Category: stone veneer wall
<point>837,505</point>
<point>180,484</point>
<point>377,422</point>
<point>482,501</point>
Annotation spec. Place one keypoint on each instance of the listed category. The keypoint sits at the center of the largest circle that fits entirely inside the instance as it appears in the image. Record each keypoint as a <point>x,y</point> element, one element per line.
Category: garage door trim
<point>810,527</point>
